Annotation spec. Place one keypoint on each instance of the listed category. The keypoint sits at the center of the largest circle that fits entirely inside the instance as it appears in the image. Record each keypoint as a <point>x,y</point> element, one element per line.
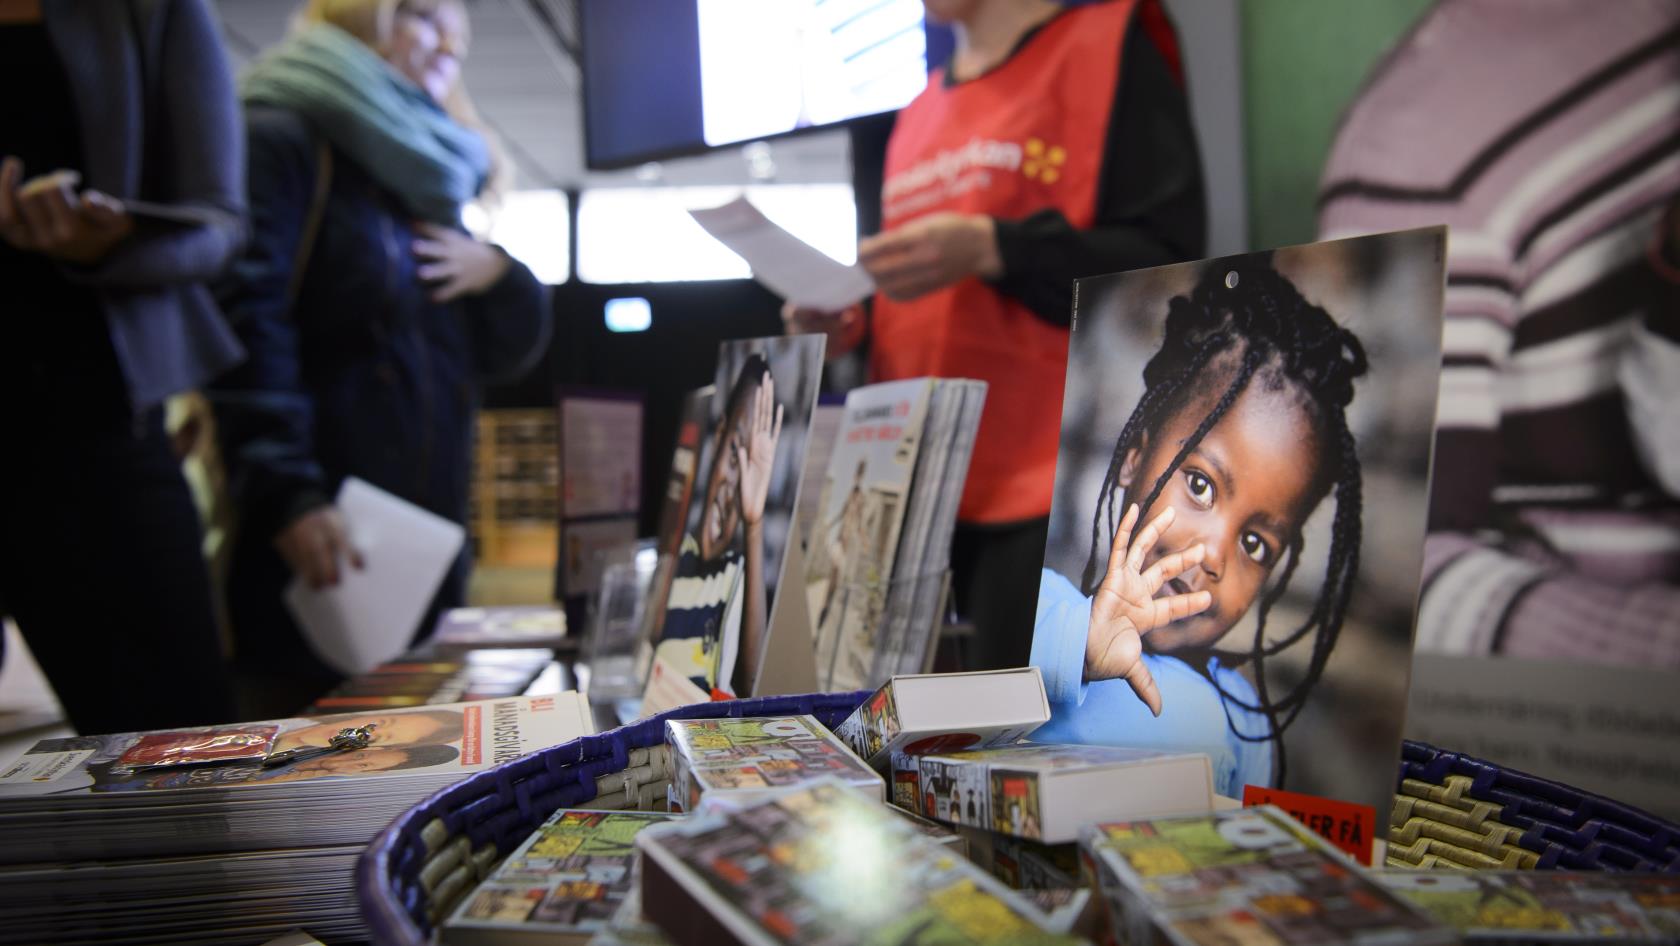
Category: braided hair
<point>1247,314</point>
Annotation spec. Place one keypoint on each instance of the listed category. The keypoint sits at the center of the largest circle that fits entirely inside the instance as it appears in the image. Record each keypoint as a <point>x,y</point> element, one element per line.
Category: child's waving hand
<point>756,455</point>
<point>1125,607</point>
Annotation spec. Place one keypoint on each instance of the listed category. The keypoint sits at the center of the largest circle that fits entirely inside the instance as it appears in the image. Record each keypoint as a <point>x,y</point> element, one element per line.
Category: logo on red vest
<point>947,175</point>
<point>1043,163</point>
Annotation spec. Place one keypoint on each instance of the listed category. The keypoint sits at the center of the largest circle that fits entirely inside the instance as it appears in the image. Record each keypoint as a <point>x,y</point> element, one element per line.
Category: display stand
<point>789,664</point>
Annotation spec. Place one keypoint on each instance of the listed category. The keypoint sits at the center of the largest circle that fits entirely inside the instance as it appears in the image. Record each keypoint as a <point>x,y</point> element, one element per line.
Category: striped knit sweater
<point>1546,134</point>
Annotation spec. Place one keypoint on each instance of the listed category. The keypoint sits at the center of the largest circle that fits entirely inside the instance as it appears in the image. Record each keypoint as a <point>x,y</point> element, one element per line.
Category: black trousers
<point>102,569</point>
<point>994,578</point>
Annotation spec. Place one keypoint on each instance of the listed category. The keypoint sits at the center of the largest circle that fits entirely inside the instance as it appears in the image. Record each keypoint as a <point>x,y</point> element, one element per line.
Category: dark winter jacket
<point>363,375</point>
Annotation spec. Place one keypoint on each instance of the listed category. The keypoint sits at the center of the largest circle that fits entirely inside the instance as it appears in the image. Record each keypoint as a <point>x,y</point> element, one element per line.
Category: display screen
<point>669,77</point>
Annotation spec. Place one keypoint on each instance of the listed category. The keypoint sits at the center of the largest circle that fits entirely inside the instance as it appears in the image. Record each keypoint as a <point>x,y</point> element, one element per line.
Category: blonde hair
<point>372,22</point>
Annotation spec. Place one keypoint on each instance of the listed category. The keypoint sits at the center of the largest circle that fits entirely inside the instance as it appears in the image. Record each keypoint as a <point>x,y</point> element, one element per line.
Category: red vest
<point>1026,136</point>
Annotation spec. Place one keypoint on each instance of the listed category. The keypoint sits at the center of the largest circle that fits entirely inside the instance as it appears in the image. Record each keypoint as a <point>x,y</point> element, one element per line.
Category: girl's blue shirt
<point>1107,712</point>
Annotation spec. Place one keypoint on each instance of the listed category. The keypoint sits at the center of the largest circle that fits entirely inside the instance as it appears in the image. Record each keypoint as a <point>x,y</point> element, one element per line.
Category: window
<point>534,228</point>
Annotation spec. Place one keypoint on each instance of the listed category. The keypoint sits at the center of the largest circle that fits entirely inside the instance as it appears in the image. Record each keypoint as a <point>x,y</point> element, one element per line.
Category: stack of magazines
<point>878,557</point>
<point>516,626</point>
<point>205,898</point>
<point>240,831</point>
<point>455,677</point>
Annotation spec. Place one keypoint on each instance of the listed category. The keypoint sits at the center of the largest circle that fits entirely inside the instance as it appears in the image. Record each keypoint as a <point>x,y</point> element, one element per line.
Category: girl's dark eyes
<point>1256,548</point>
<point>1200,487</point>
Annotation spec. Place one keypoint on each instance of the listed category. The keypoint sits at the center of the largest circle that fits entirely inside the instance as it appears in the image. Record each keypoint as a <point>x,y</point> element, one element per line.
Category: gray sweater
<point>165,102</point>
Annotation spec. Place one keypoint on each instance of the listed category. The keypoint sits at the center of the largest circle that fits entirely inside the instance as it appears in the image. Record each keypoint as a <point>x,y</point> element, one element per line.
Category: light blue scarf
<point>386,124</point>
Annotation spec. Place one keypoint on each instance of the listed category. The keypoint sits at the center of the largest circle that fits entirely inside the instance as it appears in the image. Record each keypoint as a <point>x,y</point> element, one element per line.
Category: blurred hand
<point>931,253</point>
<point>45,215</point>
<point>455,264</point>
<point>1125,607</point>
<point>314,544</point>
<point>757,455</point>
<point>840,327</point>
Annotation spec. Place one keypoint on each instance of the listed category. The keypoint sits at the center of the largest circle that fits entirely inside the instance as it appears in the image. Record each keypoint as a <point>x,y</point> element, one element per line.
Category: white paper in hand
<point>369,617</point>
<point>785,264</point>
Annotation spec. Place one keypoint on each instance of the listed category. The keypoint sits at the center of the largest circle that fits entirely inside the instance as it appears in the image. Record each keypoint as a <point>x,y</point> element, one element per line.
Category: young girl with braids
<point>1240,434</point>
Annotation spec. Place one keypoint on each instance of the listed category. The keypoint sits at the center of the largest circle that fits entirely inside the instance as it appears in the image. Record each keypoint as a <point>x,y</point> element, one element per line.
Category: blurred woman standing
<point>371,316</point>
<point>105,315</point>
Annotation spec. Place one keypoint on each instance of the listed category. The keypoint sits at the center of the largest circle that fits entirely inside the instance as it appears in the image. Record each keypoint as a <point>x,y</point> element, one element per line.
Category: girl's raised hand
<point>757,455</point>
<point>1125,607</point>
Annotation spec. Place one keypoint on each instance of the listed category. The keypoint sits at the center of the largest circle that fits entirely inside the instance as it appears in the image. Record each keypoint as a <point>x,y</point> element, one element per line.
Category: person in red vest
<point>1055,144</point>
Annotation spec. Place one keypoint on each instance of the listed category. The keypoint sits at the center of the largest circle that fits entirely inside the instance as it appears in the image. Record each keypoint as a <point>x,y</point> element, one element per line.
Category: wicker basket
<point>1452,810</point>
<point>422,863</point>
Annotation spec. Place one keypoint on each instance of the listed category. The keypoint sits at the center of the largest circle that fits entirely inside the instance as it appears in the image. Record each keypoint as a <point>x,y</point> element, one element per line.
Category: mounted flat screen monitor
<point>664,78</point>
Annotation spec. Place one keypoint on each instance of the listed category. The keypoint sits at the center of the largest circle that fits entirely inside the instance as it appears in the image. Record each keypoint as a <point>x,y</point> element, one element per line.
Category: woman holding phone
<point>105,316</point>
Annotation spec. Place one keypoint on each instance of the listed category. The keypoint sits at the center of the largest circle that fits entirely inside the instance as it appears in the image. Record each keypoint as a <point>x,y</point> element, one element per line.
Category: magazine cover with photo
<point>427,741</point>
<point>852,546</point>
<point>423,738</point>
<point>741,511</point>
<point>1549,626</point>
<point>1237,528</point>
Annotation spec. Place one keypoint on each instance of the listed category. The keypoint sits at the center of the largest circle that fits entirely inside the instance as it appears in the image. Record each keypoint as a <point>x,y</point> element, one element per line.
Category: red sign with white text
<point>1350,827</point>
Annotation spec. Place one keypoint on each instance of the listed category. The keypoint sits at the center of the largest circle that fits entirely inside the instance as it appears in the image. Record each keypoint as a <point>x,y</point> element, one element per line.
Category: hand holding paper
<point>314,544</point>
<point>370,615</point>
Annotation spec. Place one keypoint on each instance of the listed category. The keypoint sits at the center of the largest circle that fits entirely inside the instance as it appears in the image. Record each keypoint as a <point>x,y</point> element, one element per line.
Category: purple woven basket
<point>435,852</point>
<point>1451,810</point>
<point>1455,810</point>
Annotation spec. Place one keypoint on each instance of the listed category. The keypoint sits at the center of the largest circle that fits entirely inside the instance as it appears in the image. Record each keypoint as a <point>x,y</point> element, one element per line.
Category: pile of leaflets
<point>744,757</point>
<point>938,712</point>
<point>199,898</point>
<point>1047,793</point>
<point>826,864</point>
<point>990,840</point>
<point>1250,875</point>
<point>516,626</point>
<point>1553,906</point>
<point>249,829</point>
<point>460,677</point>
<point>1046,874</point>
<point>786,818</point>
<point>879,546</point>
<point>565,882</point>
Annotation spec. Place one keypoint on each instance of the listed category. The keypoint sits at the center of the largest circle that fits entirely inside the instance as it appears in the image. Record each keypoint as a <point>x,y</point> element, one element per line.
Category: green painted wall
<point>1303,60</point>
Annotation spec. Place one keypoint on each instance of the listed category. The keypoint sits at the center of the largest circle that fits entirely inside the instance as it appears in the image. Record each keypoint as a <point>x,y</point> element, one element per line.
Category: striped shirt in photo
<point>1546,135</point>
